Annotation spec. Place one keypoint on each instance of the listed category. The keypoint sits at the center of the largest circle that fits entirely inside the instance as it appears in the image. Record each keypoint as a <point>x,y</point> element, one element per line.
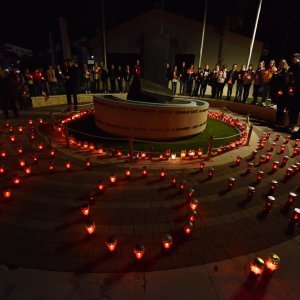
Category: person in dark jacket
<point>8,94</point>
<point>71,83</point>
<point>231,79</point>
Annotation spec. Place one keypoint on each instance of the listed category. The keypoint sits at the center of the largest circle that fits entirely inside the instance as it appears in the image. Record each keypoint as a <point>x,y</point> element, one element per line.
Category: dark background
<point>28,23</point>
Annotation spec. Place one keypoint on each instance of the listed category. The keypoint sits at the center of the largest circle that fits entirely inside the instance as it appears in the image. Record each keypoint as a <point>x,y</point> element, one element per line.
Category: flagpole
<point>203,33</point>
<point>254,33</point>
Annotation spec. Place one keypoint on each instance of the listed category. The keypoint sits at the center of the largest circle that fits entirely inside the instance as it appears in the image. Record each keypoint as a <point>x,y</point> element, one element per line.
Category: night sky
<point>28,23</point>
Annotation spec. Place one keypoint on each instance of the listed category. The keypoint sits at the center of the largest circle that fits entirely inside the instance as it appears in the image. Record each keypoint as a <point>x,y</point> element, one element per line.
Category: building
<point>18,51</point>
<point>125,42</point>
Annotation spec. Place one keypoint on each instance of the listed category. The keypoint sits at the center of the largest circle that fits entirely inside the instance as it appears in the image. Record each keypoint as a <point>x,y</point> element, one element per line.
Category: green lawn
<point>215,128</point>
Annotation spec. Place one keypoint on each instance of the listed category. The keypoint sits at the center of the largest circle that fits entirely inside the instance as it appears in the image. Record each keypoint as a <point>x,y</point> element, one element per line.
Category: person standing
<point>168,75</point>
<point>183,77</point>
<point>240,84</point>
<point>294,91</point>
<point>248,78</point>
<point>257,83</point>
<point>231,79</point>
<point>267,79</point>
<point>71,83</point>
<point>120,75</point>
<point>205,74</point>
<point>112,78</point>
<point>280,91</point>
<point>87,79</point>
<point>127,78</point>
<point>174,80</point>
<point>8,94</point>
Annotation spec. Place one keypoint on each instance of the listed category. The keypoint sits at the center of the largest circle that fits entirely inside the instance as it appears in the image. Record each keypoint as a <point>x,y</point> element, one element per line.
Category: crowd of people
<point>70,79</point>
<point>280,84</point>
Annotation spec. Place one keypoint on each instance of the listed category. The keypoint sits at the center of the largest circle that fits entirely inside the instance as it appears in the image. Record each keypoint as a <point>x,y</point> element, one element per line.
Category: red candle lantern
<point>161,156</point>
<point>262,159</point>
<point>139,251</point>
<point>52,152</point>
<point>16,180</point>
<point>273,186</point>
<point>85,145</point>
<point>3,153</point>
<point>272,262</point>
<point>294,168</point>
<point>282,149</point>
<point>22,162</point>
<point>174,180</point>
<point>262,143</point>
<point>112,178</point>
<point>183,154</point>
<point>41,120</point>
<point>20,129</point>
<point>230,183</point>
<point>272,147</point>
<point>6,193</point>
<point>32,137</point>
<point>7,124</point>
<point>249,168</point>
<point>40,146</point>
<point>192,216</point>
<point>199,153</point>
<point>211,173</point>
<point>260,176</point>
<point>87,163</point>
<point>30,122</point>
<point>268,156</point>
<point>295,152</point>
<point>289,172</point>
<point>20,150</point>
<point>144,171</point>
<point>91,148</point>
<point>202,165</point>
<point>28,170</point>
<point>253,155</point>
<point>191,193</point>
<point>250,192</point>
<point>287,138</point>
<point>34,158</point>
<point>167,241</point>
<point>85,209</point>
<point>101,186</point>
<point>51,166</point>
<point>238,160</point>
<point>188,226</point>
<point>296,143</point>
<point>277,137</point>
<point>194,204</point>
<point>275,165</point>
<point>12,138</point>
<point>90,227</point>
<point>2,169</point>
<point>111,243</point>
<point>285,160</point>
<point>268,135</point>
<point>269,203</point>
<point>182,186</point>
<point>68,165</point>
<point>127,173</point>
<point>162,175</point>
<point>257,266</point>
<point>294,220</point>
<point>100,150</point>
<point>291,199</point>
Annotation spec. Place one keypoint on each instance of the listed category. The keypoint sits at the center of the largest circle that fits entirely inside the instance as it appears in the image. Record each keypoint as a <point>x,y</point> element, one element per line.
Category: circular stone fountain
<point>158,119</point>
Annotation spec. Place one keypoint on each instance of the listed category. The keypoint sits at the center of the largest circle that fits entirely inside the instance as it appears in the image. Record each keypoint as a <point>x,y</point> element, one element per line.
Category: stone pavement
<point>45,252</point>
